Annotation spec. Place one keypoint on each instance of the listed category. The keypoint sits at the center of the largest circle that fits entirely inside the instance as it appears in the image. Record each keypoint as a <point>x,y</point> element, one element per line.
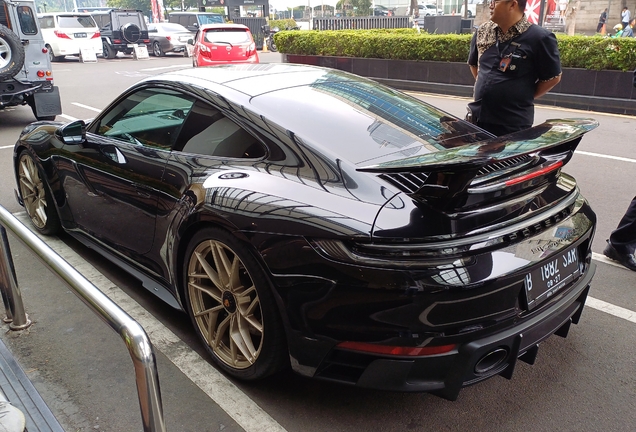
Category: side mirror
<point>73,133</point>
<point>190,42</point>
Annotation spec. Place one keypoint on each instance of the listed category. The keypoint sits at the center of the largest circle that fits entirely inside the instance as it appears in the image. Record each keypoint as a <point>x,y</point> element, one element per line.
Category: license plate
<point>543,282</point>
<point>80,35</point>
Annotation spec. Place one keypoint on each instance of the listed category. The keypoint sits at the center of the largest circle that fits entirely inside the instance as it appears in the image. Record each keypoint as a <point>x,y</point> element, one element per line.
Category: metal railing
<point>135,337</point>
<point>370,22</point>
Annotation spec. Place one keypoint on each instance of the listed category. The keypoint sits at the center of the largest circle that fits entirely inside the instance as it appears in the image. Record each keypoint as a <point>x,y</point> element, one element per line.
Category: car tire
<point>230,303</point>
<point>52,55</point>
<point>12,59</point>
<point>156,49</point>
<point>35,194</point>
<point>107,51</point>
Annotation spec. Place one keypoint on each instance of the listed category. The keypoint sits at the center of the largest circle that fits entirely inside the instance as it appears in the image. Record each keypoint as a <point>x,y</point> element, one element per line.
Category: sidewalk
<point>83,371</point>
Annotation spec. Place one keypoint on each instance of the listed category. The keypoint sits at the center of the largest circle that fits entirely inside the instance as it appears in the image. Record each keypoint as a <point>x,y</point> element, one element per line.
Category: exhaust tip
<point>491,361</point>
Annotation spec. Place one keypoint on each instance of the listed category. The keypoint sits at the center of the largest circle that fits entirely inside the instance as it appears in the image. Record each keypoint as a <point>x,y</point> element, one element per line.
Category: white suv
<point>65,33</point>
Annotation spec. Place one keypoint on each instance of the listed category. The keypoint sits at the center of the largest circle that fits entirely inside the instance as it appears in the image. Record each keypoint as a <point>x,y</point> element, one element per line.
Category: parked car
<point>168,37</point>
<point>380,10</point>
<point>194,20</point>
<point>429,10</point>
<point>223,43</point>
<point>309,217</point>
<point>121,31</point>
<point>26,76</point>
<point>66,33</point>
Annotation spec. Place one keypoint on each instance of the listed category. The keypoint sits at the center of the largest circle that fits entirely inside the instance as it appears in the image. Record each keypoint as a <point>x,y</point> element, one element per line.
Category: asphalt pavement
<point>84,373</point>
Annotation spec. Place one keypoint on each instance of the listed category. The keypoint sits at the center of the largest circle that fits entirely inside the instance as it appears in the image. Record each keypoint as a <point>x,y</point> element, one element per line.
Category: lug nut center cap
<point>229,302</point>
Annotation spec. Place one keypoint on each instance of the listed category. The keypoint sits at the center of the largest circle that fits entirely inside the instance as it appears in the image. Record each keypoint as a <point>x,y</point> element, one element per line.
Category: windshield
<point>233,36</point>
<point>210,19</point>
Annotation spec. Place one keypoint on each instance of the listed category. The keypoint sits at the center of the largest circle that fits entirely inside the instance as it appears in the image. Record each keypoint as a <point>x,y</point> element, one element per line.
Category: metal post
<point>134,336</point>
<point>10,291</point>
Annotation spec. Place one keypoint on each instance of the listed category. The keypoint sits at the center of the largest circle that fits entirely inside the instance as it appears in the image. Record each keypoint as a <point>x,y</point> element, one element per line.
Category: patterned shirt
<point>509,66</point>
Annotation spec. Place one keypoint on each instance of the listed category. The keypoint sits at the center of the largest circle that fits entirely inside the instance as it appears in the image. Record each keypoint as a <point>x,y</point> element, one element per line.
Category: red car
<point>222,44</point>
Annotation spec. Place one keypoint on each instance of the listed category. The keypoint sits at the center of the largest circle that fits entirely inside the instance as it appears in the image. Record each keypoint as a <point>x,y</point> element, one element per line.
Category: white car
<point>429,10</point>
<point>65,33</point>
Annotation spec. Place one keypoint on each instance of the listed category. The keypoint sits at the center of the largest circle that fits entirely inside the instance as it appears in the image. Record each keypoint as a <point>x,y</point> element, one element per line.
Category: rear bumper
<point>202,61</point>
<point>445,375</point>
<point>14,92</point>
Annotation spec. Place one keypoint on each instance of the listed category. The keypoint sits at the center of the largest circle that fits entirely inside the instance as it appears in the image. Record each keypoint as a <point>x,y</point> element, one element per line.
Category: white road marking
<point>6,147</point>
<point>222,391</point>
<point>618,158</point>
<point>167,67</point>
<point>67,117</point>
<point>86,106</point>
<point>611,309</point>
<point>602,258</point>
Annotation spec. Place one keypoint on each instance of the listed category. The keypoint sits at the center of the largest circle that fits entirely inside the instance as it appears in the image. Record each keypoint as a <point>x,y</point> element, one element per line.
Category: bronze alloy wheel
<point>225,304</point>
<point>36,200</point>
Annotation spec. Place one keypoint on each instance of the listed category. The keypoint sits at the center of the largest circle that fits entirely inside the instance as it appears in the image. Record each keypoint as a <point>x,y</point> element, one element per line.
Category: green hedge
<point>587,52</point>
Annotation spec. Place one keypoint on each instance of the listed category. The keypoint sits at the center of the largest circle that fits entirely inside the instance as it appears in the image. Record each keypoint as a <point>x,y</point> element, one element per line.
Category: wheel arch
<point>47,184</point>
<point>185,237</point>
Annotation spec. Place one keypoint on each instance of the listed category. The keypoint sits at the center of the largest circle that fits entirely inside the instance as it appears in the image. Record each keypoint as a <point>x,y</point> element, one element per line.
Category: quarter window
<point>210,133</point>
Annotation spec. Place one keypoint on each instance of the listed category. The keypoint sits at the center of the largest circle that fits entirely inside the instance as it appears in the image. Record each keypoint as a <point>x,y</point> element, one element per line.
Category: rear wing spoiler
<point>539,138</point>
<point>449,173</point>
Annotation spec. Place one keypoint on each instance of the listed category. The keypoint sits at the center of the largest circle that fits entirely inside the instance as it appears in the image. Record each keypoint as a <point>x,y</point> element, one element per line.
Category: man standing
<point>625,17</point>
<point>514,62</point>
<point>602,19</point>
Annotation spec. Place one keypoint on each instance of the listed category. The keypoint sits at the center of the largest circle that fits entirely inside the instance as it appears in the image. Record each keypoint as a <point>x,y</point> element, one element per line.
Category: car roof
<point>45,14</point>
<point>337,112</point>
<point>221,26</point>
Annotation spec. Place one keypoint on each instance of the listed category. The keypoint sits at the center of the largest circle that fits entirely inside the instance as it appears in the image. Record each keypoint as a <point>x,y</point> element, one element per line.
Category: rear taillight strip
<point>516,180</point>
<point>534,174</point>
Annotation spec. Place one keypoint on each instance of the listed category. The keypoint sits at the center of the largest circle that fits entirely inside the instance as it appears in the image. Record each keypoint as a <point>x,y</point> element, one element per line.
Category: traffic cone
<point>265,45</point>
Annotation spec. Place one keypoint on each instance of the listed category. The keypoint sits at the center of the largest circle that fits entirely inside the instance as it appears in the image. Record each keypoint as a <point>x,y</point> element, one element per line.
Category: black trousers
<point>623,238</point>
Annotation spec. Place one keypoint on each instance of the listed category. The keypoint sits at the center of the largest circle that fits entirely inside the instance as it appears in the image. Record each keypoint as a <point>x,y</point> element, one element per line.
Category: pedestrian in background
<point>618,28</point>
<point>629,30</point>
<point>513,62</point>
<point>622,242</point>
<point>600,28</point>
<point>625,17</point>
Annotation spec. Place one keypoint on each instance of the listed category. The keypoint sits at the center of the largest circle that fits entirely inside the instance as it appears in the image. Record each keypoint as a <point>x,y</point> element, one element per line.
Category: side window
<point>208,132</point>
<point>148,117</point>
<point>27,20</point>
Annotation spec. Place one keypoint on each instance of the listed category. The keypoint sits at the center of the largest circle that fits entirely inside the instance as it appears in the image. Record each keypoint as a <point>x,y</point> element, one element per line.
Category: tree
<point>142,5</point>
<point>415,10</point>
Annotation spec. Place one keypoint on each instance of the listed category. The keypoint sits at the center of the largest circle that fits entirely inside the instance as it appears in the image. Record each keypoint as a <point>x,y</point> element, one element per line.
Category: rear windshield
<point>232,36</point>
<point>210,19</point>
<point>74,21</point>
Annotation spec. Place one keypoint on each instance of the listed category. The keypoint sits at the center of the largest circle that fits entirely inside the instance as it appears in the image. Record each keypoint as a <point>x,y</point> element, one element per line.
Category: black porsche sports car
<point>309,217</point>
